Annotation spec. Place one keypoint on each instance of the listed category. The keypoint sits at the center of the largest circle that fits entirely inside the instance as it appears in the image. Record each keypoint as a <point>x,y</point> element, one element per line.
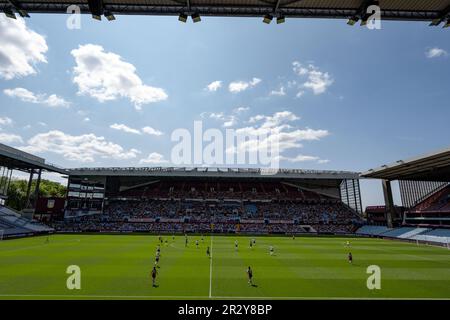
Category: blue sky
<point>345,98</point>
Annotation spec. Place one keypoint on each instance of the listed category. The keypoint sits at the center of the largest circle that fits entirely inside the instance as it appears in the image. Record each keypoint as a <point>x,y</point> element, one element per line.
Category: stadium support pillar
<point>389,202</point>
<point>27,198</point>
<point>36,190</point>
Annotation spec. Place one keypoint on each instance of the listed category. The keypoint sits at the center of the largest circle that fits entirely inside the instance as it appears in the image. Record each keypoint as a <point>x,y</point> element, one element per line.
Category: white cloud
<point>300,94</point>
<point>151,131</point>
<point>10,138</point>
<point>299,69</point>
<point>81,148</point>
<point>275,120</point>
<point>279,92</point>
<point>317,81</point>
<point>303,158</point>
<point>240,110</point>
<point>5,121</point>
<point>20,50</point>
<point>105,76</point>
<point>153,158</point>
<point>124,128</point>
<point>214,86</point>
<point>436,52</point>
<point>230,123</point>
<point>87,119</point>
<point>276,129</point>
<point>54,101</point>
<point>300,158</point>
<point>217,116</point>
<point>238,86</point>
<point>228,120</point>
<point>27,96</point>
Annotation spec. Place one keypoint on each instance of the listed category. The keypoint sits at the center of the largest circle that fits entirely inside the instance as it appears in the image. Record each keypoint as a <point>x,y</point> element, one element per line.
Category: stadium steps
<point>436,235</point>
<point>397,232</point>
<point>413,233</point>
<point>372,230</point>
<point>20,224</point>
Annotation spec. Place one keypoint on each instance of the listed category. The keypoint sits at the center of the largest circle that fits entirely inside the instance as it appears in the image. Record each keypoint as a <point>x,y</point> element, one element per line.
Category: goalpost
<point>1,234</point>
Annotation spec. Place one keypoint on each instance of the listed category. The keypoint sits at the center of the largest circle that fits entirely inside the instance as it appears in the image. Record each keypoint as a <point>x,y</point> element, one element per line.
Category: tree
<point>17,192</point>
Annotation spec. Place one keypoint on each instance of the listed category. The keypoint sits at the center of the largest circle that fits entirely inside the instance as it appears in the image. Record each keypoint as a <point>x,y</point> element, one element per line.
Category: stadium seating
<point>436,235</point>
<point>397,232</point>
<point>185,214</point>
<point>372,230</point>
<point>14,224</point>
<point>412,233</point>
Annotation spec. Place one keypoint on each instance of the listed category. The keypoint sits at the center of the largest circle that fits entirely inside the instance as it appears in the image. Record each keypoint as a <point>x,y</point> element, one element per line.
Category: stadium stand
<point>372,230</point>
<point>210,199</point>
<point>427,235</point>
<point>433,211</point>
<point>397,232</point>
<point>221,216</point>
<point>14,224</point>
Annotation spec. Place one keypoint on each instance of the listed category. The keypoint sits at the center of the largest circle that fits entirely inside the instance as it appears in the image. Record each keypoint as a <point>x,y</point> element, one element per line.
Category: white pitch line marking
<point>205,297</point>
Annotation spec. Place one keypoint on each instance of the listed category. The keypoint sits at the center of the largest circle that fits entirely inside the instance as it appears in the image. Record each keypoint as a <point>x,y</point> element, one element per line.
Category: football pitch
<point>118,267</point>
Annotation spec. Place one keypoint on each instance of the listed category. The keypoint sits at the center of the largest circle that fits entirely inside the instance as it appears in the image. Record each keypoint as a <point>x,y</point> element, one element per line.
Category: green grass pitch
<point>118,267</point>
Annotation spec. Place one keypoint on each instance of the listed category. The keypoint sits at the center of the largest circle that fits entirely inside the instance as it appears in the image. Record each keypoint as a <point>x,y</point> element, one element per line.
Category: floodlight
<point>352,21</point>
<point>109,16</point>
<point>196,18</point>
<point>9,13</point>
<point>281,19</point>
<point>267,18</point>
<point>182,17</point>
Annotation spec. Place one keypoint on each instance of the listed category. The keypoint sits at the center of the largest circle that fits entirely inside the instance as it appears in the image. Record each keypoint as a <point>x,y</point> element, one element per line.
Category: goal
<point>1,234</point>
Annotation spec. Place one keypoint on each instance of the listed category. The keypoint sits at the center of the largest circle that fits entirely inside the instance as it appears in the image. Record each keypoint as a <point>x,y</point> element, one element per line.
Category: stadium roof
<point>437,10</point>
<point>431,167</point>
<point>214,172</point>
<point>16,159</point>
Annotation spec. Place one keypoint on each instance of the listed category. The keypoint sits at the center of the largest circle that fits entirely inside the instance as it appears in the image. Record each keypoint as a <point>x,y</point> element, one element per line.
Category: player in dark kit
<point>251,244</point>
<point>350,258</point>
<point>250,276</point>
<point>208,252</point>
<point>157,260</point>
<point>154,273</point>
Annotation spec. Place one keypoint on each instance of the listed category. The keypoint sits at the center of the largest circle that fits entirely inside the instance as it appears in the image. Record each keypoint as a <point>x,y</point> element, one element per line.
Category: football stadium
<point>116,224</point>
<point>301,231</point>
